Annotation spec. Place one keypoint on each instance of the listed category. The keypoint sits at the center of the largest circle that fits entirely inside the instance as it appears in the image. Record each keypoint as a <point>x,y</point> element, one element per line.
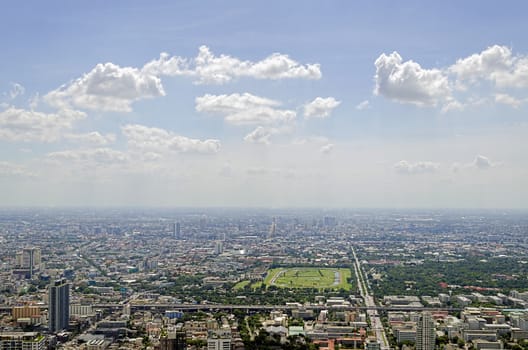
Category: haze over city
<point>331,104</point>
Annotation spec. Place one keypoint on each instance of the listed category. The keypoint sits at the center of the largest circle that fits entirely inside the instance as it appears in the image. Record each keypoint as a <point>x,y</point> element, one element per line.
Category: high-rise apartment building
<point>59,305</point>
<point>28,259</point>
<point>425,332</point>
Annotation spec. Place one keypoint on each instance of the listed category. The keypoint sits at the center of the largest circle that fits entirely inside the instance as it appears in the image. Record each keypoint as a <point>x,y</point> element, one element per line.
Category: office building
<point>22,341</point>
<point>425,332</point>
<point>28,260</point>
<point>59,305</point>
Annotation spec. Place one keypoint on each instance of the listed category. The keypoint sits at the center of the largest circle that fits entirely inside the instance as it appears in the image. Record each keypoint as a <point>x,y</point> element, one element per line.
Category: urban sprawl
<point>263,279</point>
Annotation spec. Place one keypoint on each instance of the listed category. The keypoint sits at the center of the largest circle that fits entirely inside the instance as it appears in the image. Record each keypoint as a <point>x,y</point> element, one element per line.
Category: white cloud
<point>405,167</point>
<point>516,77</point>
<point>148,139</point>
<point>408,82</point>
<point>363,105</point>
<point>89,156</point>
<point>508,100</point>
<point>16,90</point>
<point>482,162</point>
<point>497,64</point>
<point>260,135</point>
<point>20,125</point>
<point>327,148</point>
<point>210,69</point>
<point>93,138</point>
<point>483,65</point>
<point>244,109</point>
<point>107,87</point>
<point>167,65</point>
<point>8,169</point>
<point>320,107</point>
<point>453,105</point>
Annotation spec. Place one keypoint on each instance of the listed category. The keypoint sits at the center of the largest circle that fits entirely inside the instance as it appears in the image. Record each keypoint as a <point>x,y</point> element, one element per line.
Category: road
<point>370,304</point>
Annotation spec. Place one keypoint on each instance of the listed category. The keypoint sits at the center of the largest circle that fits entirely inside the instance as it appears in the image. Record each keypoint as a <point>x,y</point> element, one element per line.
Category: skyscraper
<point>176,227</point>
<point>59,305</point>
<point>28,259</point>
<point>425,332</point>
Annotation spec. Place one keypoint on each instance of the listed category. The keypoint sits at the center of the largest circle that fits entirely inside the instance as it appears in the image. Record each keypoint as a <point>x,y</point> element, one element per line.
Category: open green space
<point>241,284</point>
<point>309,277</point>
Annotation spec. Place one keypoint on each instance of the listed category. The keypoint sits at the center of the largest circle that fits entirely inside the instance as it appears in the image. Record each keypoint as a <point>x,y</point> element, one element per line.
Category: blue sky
<point>330,104</point>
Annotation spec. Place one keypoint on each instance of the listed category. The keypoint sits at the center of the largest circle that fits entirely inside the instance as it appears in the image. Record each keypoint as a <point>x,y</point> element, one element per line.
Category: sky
<point>353,104</point>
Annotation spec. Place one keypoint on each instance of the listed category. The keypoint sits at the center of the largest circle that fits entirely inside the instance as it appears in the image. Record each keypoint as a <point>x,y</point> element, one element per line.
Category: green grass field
<point>241,285</point>
<point>309,277</point>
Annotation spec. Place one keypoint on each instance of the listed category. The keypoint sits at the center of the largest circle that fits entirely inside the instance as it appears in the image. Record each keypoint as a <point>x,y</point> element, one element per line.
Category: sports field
<point>309,277</point>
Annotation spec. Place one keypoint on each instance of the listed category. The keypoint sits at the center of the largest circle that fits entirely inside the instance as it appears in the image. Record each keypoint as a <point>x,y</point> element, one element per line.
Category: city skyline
<point>414,105</point>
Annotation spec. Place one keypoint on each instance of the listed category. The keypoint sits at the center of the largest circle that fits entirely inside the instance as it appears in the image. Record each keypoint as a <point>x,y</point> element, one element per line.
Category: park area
<point>309,277</point>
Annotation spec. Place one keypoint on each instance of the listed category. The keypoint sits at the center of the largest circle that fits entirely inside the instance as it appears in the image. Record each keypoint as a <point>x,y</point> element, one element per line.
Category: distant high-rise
<point>273,228</point>
<point>59,305</point>
<point>219,247</point>
<point>425,332</point>
<point>178,229</point>
<point>28,259</point>
<point>203,222</point>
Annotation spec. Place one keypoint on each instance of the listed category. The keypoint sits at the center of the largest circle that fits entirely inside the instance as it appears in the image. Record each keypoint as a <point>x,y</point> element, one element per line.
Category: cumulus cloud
<point>497,64</point>
<point>8,169</point>
<point>408,82</point>
<point>487,64</point>
<point>405,167</point>
<point>244,109</point>
<point>93,138</point>
<point>110,87</point>
<point>148,139</point>
<point>20,125</point>
<point>107,87</point>
<point>363,105</point>
<point>208,68</point>
<point>167,65</point>
<point>320,107</point>
<point>482,162</point>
